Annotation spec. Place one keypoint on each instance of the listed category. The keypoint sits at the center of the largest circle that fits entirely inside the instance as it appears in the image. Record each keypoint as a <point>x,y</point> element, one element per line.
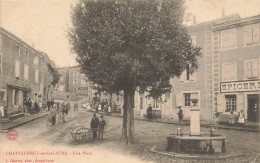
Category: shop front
<point>240,95</point>
<point>15,97</point>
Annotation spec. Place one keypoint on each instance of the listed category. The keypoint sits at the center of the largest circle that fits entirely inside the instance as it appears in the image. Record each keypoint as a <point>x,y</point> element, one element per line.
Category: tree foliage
<point>124,42</point>
<point>129,45</point>
<point>55,77</point>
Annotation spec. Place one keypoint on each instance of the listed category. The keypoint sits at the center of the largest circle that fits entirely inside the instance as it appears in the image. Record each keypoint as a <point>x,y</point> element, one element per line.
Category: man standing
<point>180,115</point>
<point>29,105</point>
<point>49,104</point>
<point>94,126</point>
<point>101,127</point>
<point>149,111</point>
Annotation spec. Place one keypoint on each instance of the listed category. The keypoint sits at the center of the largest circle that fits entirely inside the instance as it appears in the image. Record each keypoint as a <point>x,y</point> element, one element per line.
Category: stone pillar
<point>195,121</point>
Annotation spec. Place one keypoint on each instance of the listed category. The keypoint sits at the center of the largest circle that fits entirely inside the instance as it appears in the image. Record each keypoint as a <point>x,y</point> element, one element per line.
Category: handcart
<point>80,133</point>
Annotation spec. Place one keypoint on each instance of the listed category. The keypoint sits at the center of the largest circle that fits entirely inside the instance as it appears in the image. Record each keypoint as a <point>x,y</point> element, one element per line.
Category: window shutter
<point>220,103</point>
<point>248,34</point>
<point>255,65</point>
<point>183,76</point>
<point>255,33</point>
<point>179,99</point>
<point>249,69</point>
<point>17,68</point>
<point>240,102</point>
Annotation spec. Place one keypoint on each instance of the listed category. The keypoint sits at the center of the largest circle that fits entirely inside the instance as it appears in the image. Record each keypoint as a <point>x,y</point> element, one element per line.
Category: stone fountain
<point>194,141</point>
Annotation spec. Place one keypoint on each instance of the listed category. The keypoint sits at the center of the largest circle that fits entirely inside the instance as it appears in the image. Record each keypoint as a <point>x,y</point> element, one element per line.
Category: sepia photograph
<point>123,81</point>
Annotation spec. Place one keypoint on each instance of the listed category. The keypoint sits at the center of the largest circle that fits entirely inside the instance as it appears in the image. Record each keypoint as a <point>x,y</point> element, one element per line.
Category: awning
<point>21,88</point>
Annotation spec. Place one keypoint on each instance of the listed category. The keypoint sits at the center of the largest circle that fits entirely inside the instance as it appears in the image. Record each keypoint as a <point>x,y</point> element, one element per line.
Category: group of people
<point>237,120</point>
<point>103,106</point>
<point>50,104</point>
<point>36,106</point>
<point>97,126</point>
<point>55,109</point>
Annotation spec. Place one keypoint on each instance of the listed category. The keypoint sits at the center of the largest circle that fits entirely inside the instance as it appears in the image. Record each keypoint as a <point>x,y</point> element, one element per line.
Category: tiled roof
<point>219,21</point>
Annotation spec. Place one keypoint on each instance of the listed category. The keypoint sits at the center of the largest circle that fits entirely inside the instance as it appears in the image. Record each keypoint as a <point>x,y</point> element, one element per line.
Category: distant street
<point>36,135</point>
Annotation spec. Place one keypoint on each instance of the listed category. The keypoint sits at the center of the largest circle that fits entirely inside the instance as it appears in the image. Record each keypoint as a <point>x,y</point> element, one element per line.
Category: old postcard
<point>129,81</point>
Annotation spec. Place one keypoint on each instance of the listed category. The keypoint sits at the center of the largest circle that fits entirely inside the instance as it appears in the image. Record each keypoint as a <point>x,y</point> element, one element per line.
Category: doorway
<point>253,107</point>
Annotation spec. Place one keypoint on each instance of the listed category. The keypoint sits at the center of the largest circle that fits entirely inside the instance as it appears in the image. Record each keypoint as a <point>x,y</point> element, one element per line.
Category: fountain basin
<point>194,144</point>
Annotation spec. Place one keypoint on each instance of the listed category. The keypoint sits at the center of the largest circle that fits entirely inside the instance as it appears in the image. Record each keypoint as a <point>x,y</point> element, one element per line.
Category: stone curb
<point>186,124</point>
<point>23,122</point>
<point>203,157</point>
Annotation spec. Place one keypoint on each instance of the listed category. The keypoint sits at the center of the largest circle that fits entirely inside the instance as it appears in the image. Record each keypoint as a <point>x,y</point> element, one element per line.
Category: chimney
<point>223,12</point>
<point>194,20</point>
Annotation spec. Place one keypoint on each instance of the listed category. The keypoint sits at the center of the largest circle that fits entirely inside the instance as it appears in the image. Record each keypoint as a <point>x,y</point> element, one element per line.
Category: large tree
<point>129,45</point>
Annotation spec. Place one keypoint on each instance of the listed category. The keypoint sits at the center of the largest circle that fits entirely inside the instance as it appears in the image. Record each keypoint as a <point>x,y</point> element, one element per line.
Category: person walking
<point>94,125</point>
<point>180,115</point>
<point>101,127</point>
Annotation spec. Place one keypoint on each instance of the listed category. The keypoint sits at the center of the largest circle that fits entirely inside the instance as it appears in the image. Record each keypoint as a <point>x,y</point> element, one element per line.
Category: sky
<point>43,24</point>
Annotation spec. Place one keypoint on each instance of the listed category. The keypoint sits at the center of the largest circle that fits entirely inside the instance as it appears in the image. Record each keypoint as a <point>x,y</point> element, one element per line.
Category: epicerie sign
<point>240,86</point>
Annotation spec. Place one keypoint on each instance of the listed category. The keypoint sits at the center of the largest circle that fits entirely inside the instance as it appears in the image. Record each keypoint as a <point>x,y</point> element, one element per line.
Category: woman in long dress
<point>241,118</point>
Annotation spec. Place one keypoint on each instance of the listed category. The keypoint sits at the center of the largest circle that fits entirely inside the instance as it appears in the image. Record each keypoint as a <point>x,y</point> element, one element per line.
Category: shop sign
<point>240,86</point>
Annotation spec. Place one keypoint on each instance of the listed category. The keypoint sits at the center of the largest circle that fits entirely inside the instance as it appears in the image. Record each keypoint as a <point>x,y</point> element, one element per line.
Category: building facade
<point>24,73</point>
<point>227,78</point>
<point>236,51</point>
<point>73,82</point>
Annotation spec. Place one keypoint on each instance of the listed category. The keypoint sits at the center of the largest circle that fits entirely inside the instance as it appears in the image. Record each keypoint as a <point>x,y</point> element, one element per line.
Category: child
<point>101,127</point>
<point>232,118</point>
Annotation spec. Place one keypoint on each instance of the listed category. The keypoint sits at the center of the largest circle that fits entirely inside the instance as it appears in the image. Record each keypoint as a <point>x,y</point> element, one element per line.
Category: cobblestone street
<point>148,134</point>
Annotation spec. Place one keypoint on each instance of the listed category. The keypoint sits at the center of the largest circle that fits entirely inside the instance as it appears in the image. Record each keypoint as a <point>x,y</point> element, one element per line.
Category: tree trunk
<point>124,128</point>
<point>127,132</point>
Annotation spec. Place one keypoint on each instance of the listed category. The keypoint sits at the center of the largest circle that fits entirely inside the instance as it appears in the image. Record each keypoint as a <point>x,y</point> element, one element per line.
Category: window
<point>26,55</point>
<point>26,72</point>
<point>187,76</point>
<point>17,50</point>
<point>36,72</point>
<point>229,71</point>
<point>1,63</point>
<point>17,68</point>
<point>230,103</point>
<point>193,39</point>
<point>141,102</point>
<point>188,97</point>
<point>228,38</point>
<point>252,69</point>
<point>155,103</point>
<point>36,60</point>
<point>251,34</point>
